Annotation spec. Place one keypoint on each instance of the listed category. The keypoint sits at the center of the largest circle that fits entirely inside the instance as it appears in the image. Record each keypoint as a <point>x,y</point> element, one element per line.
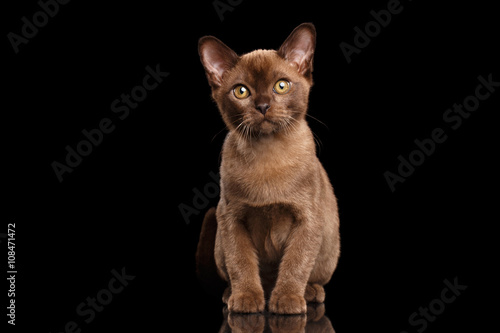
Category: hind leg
<point>325,265</point>
<point>314,293</point>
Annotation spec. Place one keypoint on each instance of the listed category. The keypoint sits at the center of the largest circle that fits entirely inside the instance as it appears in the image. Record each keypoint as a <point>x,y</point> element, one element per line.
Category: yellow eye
<point>281,87</point>
<point>241,92</point>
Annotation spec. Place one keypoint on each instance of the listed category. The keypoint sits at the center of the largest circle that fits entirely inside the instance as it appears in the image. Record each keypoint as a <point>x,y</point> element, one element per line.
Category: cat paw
<point>314,293</point>
<point>287,304</point>
<point>246,302</point>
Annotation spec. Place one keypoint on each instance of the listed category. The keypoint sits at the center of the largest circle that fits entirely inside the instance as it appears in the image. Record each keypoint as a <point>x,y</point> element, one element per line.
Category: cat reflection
<point>314,322</point>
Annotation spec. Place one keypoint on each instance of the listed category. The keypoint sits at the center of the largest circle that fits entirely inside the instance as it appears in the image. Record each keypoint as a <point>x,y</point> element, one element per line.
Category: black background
<point>119,207</point>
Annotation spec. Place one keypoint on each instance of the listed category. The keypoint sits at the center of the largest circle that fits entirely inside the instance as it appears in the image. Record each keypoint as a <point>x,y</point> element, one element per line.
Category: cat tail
<point>206,268</point>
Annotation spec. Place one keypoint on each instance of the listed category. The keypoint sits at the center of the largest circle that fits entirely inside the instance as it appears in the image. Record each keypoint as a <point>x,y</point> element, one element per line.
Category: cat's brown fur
<point>277,234</point>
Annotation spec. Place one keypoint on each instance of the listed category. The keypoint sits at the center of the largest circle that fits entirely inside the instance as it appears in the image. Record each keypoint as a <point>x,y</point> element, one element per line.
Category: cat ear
<point>216,58</point>
<point>298,48</point>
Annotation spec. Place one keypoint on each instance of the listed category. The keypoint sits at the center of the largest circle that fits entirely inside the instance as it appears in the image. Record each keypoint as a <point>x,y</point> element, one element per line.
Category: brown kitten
<point>276,224</point>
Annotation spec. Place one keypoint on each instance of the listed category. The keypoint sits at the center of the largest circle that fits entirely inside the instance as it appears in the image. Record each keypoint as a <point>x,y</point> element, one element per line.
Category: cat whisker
<point>235,116</point>
<point>211,141</point>
<point>318,142</point>
<point>290,125</point>
<point>243,125</point>
<point>249,134</point>
<point>312,117</point>
<point>292,122</point>
<point>237,127</point>
<point>285,125</point>
<point>246,132</point>
<point>247,137</point>
<point>319,121</point>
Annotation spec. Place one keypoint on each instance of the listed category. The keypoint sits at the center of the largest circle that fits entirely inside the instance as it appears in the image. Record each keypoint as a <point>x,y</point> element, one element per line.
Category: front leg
<point>295,268</point>
<point>242,265</point>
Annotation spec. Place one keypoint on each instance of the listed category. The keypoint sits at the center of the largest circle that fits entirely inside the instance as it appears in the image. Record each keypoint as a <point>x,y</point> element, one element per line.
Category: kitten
<point>276,226</point>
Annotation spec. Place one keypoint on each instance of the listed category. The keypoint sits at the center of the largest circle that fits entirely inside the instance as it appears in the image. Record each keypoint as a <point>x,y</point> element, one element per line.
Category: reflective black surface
<point>314,321</point>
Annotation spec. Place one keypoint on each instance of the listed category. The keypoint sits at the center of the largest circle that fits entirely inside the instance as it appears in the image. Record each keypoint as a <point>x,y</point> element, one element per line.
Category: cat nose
<point>263,108</point>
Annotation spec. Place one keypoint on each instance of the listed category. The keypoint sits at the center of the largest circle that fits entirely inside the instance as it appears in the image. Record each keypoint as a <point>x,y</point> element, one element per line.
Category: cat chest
<point>264,184</point>
<point>269,227</point>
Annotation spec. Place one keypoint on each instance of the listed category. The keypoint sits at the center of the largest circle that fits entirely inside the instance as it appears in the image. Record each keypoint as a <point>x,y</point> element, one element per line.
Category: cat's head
<point>264,91</point>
